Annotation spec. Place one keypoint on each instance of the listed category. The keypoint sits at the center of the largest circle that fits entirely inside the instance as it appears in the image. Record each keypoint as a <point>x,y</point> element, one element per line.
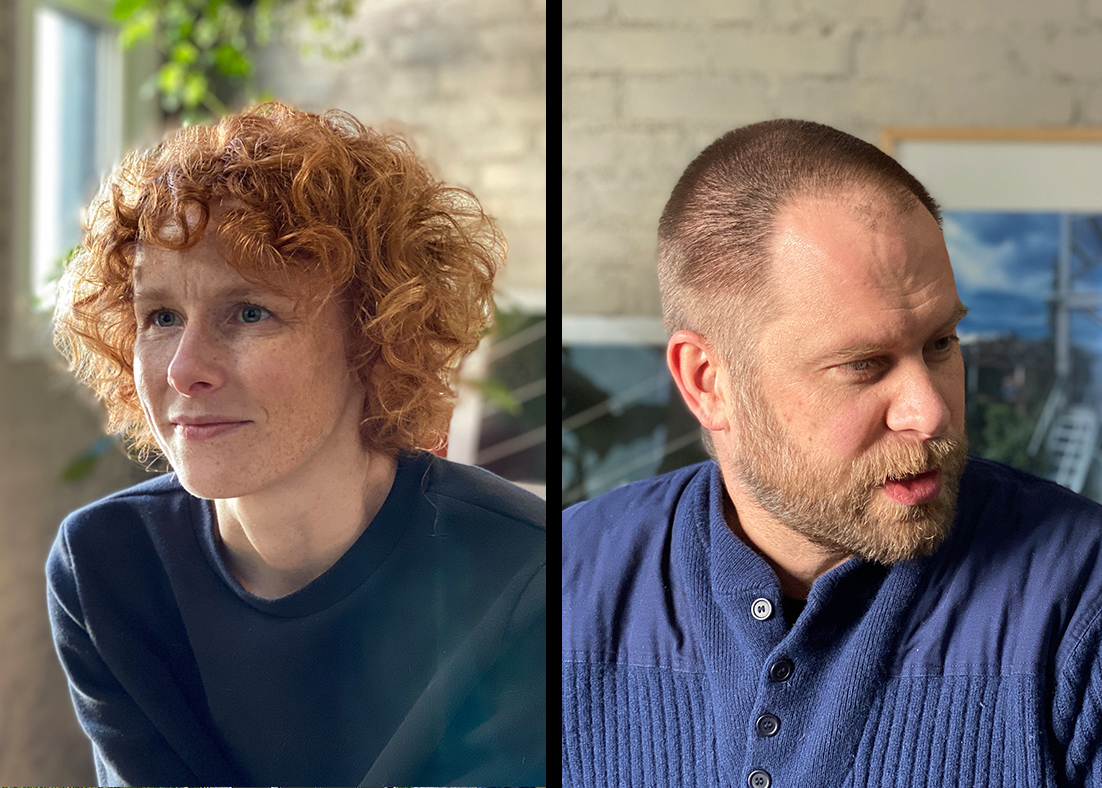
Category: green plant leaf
<point>185,52</point>
<point>499,394</point>
<point>124,8</point>
<point>231,61</point>
<point>85,463</point>
<point>195,89</point>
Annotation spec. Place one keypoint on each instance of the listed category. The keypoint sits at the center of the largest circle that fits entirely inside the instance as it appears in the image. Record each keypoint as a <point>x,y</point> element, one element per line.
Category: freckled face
<point>243,391</point>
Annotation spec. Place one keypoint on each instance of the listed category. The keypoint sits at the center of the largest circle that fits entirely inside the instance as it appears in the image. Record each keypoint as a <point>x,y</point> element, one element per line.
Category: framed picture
<point>623,417</point>
<point>1022,215</point>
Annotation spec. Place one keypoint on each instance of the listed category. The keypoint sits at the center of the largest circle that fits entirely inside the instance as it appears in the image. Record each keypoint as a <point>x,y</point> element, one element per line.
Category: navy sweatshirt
<point>978,666</point>
<point>418,658</point>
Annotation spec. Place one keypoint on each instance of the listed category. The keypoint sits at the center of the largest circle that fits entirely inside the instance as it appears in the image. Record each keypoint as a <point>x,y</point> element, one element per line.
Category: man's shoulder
<point>1025,552</point>
<point>629,511</point>
<point>621,594</point>
<point>999,497</point>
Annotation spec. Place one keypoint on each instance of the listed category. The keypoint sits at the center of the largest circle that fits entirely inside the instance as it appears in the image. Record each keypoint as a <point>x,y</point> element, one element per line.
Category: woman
<point>275,305</point>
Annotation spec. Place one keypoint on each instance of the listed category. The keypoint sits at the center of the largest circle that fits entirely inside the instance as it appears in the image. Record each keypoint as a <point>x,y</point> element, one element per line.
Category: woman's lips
<point>202,432</point>
<point>914,490</point>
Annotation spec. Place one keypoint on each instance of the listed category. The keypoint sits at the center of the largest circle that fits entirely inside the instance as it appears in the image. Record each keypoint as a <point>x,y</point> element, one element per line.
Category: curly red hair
<point>314,199</point>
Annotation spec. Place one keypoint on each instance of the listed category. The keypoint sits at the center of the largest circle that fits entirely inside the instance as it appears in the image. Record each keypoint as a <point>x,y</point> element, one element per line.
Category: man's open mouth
<point>914,489</point>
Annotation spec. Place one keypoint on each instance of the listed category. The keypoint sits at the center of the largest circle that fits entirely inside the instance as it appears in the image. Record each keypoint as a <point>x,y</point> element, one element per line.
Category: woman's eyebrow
<point>227,293</point>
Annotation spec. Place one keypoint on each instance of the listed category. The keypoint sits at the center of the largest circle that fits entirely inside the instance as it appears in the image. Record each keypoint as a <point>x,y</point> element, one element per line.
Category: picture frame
<point>995,168</point>
<point>1022,218</point>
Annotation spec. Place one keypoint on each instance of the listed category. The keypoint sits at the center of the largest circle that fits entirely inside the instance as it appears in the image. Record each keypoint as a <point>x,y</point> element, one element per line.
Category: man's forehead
<point>854,239</point>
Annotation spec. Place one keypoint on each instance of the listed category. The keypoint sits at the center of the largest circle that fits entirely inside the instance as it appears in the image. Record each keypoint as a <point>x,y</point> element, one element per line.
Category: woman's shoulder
<point>476,492</point>
<point>149,498</point>
<point>122,525</point>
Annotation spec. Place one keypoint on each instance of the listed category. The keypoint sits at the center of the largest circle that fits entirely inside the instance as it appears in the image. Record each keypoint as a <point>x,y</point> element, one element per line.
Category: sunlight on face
<point>243,389</point>
<point>859,384</point>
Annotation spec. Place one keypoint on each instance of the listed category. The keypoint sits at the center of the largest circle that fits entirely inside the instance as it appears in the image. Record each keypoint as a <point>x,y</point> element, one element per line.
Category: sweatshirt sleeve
<point>127,746</point>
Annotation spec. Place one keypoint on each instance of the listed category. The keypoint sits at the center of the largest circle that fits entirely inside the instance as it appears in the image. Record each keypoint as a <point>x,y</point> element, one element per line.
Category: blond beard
<point>839,506</point>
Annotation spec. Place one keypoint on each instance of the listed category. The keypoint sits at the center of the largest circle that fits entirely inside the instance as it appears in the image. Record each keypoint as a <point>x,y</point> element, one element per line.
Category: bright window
<point>70,88</point>
<point>76,133</point>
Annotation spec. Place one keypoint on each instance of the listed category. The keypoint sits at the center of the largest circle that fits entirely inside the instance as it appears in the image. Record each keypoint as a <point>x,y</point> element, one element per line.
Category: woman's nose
<point>196,365</point>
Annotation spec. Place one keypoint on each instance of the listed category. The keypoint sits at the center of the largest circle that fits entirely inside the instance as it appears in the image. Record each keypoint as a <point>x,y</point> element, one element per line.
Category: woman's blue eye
<point>164,319</point>
<point>253,314</point>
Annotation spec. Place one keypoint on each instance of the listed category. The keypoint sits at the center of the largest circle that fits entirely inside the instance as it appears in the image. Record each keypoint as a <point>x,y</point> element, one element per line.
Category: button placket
<point>766,724</point>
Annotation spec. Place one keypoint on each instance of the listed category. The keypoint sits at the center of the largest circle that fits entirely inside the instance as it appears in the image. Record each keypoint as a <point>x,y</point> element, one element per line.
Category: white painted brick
<point>509,177</point>
<point>490,76</point>
<point>649,83</point>
<point>689,100</point>
<point>803,12</point>
<point>577,11</point>
<point>956,56</point>
<point>1005,102</point>
<point>590,264</point>
<point>699,11</point>
<point>989,14</point>
<point>526,263</point>
<point>493,144</point>
<point>625,201</point>
<point>1075,54</point>
<point>878,102</point>
<point>519,40</point>
<point>829,101</point>
<point>591,98</point>
<point>633,51</point>
<point>620,150</point>
<point>804,52</point>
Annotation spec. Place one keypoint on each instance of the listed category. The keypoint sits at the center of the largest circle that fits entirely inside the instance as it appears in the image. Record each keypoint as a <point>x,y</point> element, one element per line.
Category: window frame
<point>127,117</point>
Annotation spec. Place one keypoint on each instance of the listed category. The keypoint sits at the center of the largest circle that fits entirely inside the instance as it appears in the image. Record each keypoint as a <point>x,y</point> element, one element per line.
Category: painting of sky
<point>1005,268</point>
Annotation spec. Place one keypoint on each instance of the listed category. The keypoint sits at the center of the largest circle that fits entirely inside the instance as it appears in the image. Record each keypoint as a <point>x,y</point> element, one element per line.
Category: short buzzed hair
<point>716,233</point>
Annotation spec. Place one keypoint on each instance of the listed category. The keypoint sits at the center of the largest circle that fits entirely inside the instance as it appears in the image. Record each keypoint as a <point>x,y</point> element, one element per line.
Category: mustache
<point>895,461</point>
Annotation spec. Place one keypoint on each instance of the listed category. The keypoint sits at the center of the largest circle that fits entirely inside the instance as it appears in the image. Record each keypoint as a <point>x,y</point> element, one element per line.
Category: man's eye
<point>945,344</point>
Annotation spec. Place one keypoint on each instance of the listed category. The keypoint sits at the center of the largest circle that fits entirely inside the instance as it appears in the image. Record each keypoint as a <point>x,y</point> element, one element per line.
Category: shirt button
<point>768,724</point>
<point>781,670</point>
<point>761,608</point>
<point>759,778</point>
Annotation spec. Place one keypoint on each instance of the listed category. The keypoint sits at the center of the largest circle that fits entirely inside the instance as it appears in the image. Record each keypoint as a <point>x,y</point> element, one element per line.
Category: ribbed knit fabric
<point>979,666</point>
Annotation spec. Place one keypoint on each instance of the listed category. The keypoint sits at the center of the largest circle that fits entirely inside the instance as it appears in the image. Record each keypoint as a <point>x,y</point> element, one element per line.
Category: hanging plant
<point>208,47</point>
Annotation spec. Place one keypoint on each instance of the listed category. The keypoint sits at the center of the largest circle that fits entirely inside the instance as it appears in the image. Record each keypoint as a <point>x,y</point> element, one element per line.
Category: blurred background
<point>81,81</point>
<point>648,84</point>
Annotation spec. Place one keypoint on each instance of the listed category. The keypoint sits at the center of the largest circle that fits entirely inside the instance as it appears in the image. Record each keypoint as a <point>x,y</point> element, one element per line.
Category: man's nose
<point>917,404</point>
<point>196,365</point>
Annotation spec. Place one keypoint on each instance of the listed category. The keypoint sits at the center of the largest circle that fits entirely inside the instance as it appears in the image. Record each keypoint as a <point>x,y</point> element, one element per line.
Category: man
<point>841,597</point>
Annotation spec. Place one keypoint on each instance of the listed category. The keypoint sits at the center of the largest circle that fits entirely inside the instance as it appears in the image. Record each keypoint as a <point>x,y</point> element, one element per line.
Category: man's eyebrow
<point>864,349</point>
<point>958,315</point>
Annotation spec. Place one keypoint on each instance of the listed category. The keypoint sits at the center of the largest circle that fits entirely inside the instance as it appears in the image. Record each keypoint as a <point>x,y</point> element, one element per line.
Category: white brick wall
<point>465,82</point>
<point>648,83</point>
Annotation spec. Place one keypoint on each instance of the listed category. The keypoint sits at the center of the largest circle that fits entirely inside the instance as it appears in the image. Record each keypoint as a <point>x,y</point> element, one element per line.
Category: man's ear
<point>696,370</point>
